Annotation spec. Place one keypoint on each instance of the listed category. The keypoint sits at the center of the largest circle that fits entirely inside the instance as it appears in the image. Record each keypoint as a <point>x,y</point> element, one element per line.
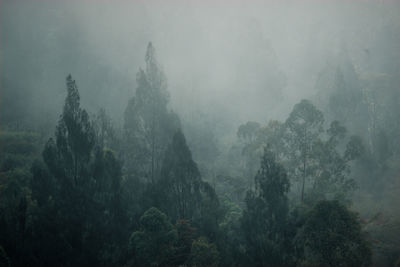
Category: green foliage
<point>332,237</point>
<point>77,192</point>
<point>303,127</point>
<point>69,155</point>
<point>265,217</point>
<point>81,206</point>
<point>182,193</point>
<point>17,151</point>
<point>153,243</point>
<point>317,161</point>
<point>230,240</point>
<point>186,235</point>
<point>106,135</point>
<point>148,125</point>
<point>231,188</point>
<point>203,253</point>
<point>180,181</point>
<point>354,148</point>
<point>331,176</point>
<point>210,212</point>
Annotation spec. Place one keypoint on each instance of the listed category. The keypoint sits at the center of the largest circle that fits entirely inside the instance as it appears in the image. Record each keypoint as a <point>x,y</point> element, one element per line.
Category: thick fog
<point>238,60</point>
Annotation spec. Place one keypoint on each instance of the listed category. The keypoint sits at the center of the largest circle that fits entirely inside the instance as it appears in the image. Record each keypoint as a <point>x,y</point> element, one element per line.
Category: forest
<point>188,133</point>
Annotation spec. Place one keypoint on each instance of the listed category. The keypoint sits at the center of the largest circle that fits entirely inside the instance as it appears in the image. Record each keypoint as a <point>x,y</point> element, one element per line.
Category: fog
<point>248,61</point>
<point>226,63</point>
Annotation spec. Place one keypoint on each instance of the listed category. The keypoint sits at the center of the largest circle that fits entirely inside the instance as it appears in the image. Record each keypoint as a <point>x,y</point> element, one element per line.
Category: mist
<point>230,78</point>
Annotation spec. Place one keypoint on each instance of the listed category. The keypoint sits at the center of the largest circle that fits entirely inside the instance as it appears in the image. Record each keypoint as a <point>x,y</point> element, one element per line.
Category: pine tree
<point>78,192</point>
<point>148,124</point>
<point>68,157</point>
<point>180,180</point>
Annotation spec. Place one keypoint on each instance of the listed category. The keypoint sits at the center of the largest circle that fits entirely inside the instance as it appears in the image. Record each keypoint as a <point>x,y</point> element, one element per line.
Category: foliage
<point>264,218</point>
<point>332,237</point>
<point>101,196</point>
<point>153,243</point>
<point>203,253</point>
<point>303,127</point>
<point>186,235</point>
<point>248,131</point>
<point>77,190</point>
<point>148,125</point>
<point>317,160</point>
<point>180,180</point>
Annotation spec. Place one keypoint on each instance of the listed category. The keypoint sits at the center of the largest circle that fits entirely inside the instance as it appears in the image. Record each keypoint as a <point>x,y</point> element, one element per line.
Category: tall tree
<point>257,138</point>
<point>180,180</point>
<point>78,192</point>
<point>106,134</point>
<point>309,153</point>
<point>331,172</point>
<point>265,216</point>
<point>148,124</point>
<point>303,127</point>
<point>75,140</point>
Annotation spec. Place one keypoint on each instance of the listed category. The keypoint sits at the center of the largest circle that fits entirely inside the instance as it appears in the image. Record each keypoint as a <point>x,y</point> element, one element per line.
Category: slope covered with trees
<point>94,194</point>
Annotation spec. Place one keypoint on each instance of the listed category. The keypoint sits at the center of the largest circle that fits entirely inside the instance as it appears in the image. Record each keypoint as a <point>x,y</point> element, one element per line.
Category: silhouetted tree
<point>180,181</point>
<point>78,192</point>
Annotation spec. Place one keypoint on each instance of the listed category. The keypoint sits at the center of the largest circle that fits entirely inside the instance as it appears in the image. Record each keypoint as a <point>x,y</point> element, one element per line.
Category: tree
<point>148,124</point>
<point>77,191</point>
<point>248,132</point>
<point>203,253</point>
<point>332,172</point>
<point>303,127</point>
<point>309,153</point>
<point>153,244</point>
<point>106,136</point>
<point>270,135</point>
<point>332,236</point>
<point>186,235</point>
<point>68,157</point>
<point>180,181</point>
<point>68,181</point>
<point>17,151</point>
<point>265,215</point>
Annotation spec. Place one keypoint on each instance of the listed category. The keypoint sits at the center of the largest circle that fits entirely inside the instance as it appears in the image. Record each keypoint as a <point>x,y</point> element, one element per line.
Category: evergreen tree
<point>106,134</point>
<point>148,124</point>
<point>78,192</point>
<point>68,157</point>
<point>180,181</point>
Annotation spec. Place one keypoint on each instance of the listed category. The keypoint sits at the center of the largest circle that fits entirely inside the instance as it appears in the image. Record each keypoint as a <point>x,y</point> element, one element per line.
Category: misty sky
<point>246,60</point>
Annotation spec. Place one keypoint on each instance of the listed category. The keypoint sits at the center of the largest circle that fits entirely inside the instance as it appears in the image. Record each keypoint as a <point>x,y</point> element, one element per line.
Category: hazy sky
<point>250,60</point>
